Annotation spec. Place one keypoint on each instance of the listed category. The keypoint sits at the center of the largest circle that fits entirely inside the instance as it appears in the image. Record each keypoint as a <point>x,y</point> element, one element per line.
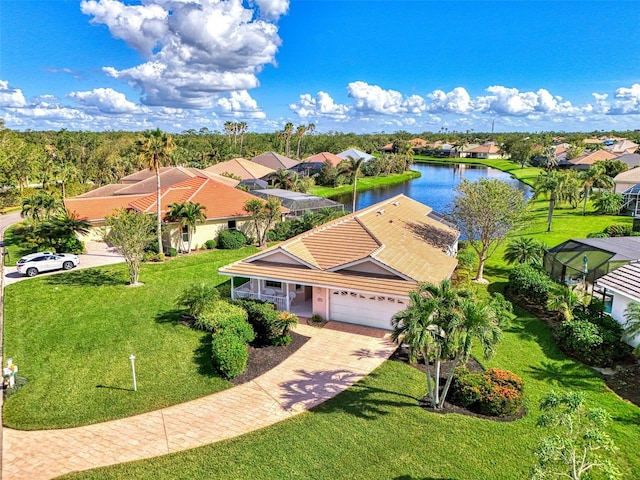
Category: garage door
<point>370,310</point>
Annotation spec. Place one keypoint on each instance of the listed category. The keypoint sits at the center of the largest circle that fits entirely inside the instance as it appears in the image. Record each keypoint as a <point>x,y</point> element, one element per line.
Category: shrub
<point>282,341</point>
<point>231,239</point>
<point>531,282</point>
<point>70,245</point>
<point>197,297</point>
<point>210,244</point>
<point>619,230</point>
<point>494,392</point>
<point>221,315</point>
<point>229,353</point>
<point>285,321</point>
<point>172,252</point>
<point>594,339</point>
<point>316,320</point>
<point>598,235</point>
<point>263,317</point>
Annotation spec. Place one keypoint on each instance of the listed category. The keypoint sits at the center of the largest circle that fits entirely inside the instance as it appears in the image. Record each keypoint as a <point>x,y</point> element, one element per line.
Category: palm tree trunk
<point>436,397</point>
<point>586,199</point>
<point>355,190</point>
<point>552,205</point>
<point>158,209</point>
<point>445,390</point>
<point>430,383</point>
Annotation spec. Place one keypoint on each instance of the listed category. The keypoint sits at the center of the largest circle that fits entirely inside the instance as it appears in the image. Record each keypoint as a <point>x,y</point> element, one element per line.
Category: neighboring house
<point>584,162</point>
<point>416,144</point>
<point>297,203</point>
<point>487,151</point>
<point>241,168</point>
<point>224,209</point>
<point>632,160</point>
<point>354,153</point>
<point>619,288</point>
<point>623,147</point>
<point>357,269</point>
<point>275,161</point>
<point>314,163</point>
<point>144,182</point>
<point>589,259</point>
<point>627,179</point>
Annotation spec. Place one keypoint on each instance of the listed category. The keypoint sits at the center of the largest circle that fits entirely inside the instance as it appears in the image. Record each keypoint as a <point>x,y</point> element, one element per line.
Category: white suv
<point>35,263</point>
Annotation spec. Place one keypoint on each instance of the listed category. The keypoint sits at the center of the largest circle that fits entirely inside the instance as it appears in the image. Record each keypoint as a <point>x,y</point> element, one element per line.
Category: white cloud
<point>105,100</point>
<point>512,102</point>
<point>11,97</point>
<point>374,99</point>
<point>240,104</point>
<point>627,101</point>
<point>457,100</point>
<point>194,49</point>
<point>322,105</point>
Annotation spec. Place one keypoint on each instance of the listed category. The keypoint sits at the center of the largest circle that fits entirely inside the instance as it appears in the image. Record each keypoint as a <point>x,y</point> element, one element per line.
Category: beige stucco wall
<point>204,232</point>
<point>96,232</point>
<point>320,302</point>
<point>368,267</point>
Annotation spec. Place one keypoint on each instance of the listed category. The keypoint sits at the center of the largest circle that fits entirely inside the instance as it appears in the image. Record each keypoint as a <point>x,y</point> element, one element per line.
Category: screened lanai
<point>298,203</point>
<point>631,201</point>
<point>588,259</point>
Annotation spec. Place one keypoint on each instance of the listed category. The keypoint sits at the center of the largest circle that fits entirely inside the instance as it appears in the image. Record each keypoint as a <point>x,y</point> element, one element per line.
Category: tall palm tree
<point>154,149</point>
<point>187,215</point>
<point>288,132</point>
<point>351,168</point>
<point>549,183</point>
<point>595,177</point>
<point>40,206</point>
<point>524,250</point>
<point>300,131</point>
<point>242,129</point>
<point>570,187</point>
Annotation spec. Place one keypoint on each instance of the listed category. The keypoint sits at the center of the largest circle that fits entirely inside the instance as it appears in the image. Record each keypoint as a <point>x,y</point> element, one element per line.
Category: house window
<point>185,234</point>
<point>231,224</point>
<point>272,284</point>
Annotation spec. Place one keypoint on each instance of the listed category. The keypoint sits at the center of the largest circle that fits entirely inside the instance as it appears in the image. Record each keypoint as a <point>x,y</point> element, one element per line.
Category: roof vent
<point>395,204</point>
<point>380,212</point>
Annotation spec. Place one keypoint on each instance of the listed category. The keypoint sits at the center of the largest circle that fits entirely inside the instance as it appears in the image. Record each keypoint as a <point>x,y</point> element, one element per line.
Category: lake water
<point>434,188</point>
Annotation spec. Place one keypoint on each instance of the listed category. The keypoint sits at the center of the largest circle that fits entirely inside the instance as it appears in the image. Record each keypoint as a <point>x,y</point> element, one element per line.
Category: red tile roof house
<point>357,269</point>
<point>224,210</point>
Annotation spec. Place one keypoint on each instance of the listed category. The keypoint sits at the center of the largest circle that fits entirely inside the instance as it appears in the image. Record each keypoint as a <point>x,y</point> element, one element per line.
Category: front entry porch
<point>290,297</point>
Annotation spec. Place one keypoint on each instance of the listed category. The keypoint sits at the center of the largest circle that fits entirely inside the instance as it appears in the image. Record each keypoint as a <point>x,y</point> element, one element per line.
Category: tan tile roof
<point>591,158</point>
<point>397,233</point>
<point>242,168</point>
<point>275,161</point>
<point>324,157</point>
<point>484,149</point>
<point>632,175</point>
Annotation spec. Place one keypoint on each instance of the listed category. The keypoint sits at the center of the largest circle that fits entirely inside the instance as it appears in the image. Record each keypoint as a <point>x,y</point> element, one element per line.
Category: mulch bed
<point>626,383</point>
<point>401,355</point>
<point>263,359</point>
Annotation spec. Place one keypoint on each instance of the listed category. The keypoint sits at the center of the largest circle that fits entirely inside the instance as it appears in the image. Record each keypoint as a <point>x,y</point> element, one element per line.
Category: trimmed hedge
<point>223,316</point>
<point>231,239</point>
<point>263,317</point>
<point>495,392</point>
<point>531,282</point>
<point>210,244</point>
<point>229,353</point>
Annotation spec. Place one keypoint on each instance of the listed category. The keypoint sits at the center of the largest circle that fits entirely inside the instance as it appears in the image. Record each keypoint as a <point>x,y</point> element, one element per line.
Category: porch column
<point>233,293</point>
<point>288,300</point>
<point>259,290</point>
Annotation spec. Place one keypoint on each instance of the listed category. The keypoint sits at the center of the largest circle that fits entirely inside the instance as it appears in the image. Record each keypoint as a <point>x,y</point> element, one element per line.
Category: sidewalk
<point>334,358</point>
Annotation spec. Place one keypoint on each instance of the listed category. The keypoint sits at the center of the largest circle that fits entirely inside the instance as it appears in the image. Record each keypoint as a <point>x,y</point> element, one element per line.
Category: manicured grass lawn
<point>15,252</point>
<point>364,183</point>
<point>72,333</point>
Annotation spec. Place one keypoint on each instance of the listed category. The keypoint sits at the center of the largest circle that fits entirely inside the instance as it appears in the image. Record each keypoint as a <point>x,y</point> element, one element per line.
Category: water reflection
<point>434,188</point>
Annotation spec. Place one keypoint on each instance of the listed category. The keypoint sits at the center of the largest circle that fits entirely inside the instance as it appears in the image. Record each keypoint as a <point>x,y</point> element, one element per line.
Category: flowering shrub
<point>494,392</point>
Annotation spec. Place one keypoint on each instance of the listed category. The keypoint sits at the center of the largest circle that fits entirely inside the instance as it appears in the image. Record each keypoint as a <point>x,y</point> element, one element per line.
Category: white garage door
<point>370,310</point>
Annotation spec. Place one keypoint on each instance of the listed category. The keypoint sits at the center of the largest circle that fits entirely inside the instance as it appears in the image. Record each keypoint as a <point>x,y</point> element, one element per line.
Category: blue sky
<point>343,65</point>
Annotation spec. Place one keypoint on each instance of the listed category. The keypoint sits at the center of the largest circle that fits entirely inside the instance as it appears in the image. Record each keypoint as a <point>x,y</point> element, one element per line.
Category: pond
<point>434,188</point>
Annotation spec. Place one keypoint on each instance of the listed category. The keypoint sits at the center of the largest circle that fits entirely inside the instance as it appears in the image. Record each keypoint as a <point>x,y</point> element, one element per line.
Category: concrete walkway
<point>334,358</point>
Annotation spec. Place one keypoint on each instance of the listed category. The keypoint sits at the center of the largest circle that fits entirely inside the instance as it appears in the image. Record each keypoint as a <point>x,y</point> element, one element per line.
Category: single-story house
<point>416,144</point>
<point>313,164</point>
<point>275,161</point>
<point>619,288</point>
<point>357,269</point>
<point>584,162</point>
<point>241,168</point>
<point>627,179</point>
<point>297,203</point>
<point>631,160</point>
<point>589,259</point>
<point>623,147</point>
<point>354,153</point>
<point>224,209</point>
<point>487,151</point>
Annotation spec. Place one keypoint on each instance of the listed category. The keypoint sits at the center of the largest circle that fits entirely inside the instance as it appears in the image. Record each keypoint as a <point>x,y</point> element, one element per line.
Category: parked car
<point>35,263</point>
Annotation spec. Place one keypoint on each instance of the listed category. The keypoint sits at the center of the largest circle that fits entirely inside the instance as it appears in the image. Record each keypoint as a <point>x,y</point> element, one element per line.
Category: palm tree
<point>300,131</point>
<point>285,179</point>
<point>524,250</point>
<point>69,224</point>
<point>187,215</point>
<point>550,158</point>
<point>608,203</point>
<point>242,129</point>
<point>40,206</point>
<point>565,300</point>
<point>570,188</point>
<point>632,325</point>
<point>288,131</point>
<point>595,177</point>
<point>351,168</point>
<point>154,149</point>
<point>549,183</point>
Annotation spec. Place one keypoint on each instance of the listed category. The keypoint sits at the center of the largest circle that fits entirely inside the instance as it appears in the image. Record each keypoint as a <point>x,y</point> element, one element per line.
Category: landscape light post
<point>133,371</point>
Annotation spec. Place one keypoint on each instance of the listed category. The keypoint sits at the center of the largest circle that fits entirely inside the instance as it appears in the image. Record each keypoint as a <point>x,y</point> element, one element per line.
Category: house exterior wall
<point>367,267</point>
<point>619,305</point>
<point>96,232</point>
<point>204,232</point>
<point>623,185</point>
<point>281,258</point>
<point>320,302</point>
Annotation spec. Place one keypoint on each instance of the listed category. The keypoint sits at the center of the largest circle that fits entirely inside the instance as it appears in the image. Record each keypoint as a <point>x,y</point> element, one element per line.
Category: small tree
<point>485,211</point>
<point>578,443</point>
<point>264,214</point>
<point>130,233</point>
<point>187,215</point>
<point>524,250</point>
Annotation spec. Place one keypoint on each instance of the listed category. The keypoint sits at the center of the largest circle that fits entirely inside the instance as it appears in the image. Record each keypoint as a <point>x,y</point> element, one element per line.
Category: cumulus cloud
<point>512,102</point>
<point>457,100</point>
<point>11,97</point>
<point>627,101</point>
<point>322,105</point>
<point>374,99</point>
<point>240,104</point>
<point>194,49</point>
<point>105,100</point>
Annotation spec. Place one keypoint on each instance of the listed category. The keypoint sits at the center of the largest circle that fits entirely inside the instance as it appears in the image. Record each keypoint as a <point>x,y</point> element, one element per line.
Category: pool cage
<point>585,260</point>
<point>631,201</point>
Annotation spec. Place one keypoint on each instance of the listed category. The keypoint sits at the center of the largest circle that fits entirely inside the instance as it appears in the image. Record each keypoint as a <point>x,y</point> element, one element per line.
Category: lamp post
<point>585,271</point>
<point>133,371</point>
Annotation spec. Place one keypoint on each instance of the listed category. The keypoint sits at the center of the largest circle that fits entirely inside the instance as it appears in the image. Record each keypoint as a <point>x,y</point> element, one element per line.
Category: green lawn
<point>365,183</point>
<point>72,333</point>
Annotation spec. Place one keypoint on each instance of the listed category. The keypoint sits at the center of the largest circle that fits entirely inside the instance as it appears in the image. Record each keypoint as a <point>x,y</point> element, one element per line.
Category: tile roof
<point>355,153</point>
<point>632,175</point>
<point>625,280</point>
<point>397,233</point>
<point>275,161</point>
<point>630,159</point>
<point>96,209</point>
<point>490,148</point>
<point>592,157</point>
<point>324,157</point>
<point>242,168</point>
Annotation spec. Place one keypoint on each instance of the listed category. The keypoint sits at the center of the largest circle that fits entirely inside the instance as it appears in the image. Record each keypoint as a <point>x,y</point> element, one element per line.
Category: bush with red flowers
<point>494,392</point>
